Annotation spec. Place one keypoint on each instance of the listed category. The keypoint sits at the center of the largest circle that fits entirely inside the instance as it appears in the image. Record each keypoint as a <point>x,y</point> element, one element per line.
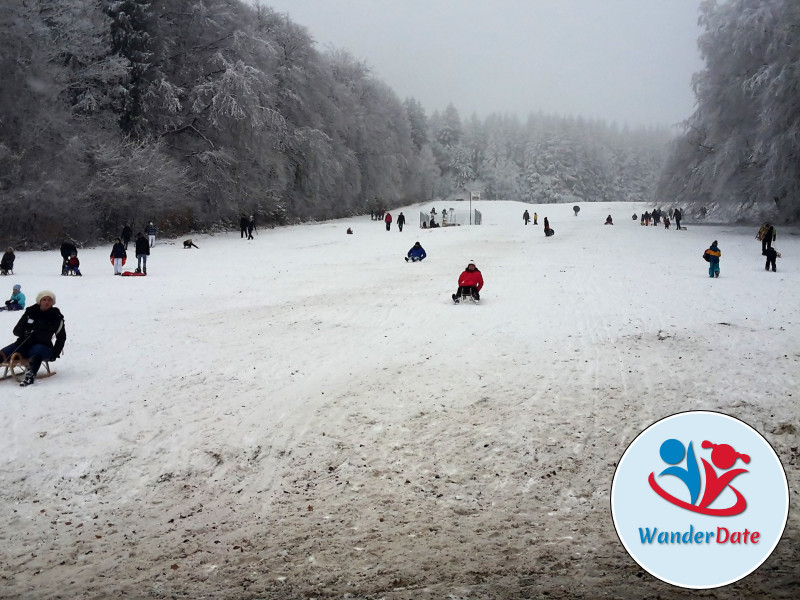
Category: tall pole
<point>470,208</point>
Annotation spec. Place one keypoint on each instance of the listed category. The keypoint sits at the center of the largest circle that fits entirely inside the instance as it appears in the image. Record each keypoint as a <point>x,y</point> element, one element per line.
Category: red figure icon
<point>724,457</point>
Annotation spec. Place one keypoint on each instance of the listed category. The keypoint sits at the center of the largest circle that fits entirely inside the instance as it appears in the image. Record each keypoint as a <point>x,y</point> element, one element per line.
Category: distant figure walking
<point>118,256</point>
<point>768,235</point>
<point>388,220</point>
<point>677,216</point>
<point>243,227</point>
<point>142,252</point>
<point>526,217</point>
<point>127,232</point>
<point>150,230</point>
<point>401,220</point>
<point>535,218</point>
<point>712,256</point>
<point>577,209</point>
<point>251,225</point>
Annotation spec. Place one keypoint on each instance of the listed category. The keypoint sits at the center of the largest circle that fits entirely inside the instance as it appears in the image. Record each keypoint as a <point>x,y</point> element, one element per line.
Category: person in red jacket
<point>388,220</point>
<point>470,282</point>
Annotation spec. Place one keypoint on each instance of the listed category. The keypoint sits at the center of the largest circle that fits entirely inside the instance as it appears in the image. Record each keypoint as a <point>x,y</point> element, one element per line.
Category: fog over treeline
<point>738,157</point>
<point>193,113</point>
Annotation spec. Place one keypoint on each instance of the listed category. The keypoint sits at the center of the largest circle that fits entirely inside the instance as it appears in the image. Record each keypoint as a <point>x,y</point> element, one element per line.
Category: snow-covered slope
<point>307,415</point>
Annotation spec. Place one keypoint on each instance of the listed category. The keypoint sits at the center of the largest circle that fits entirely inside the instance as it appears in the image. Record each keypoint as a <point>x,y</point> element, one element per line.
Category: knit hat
<point>472,262</point>
<point>17,287</point>
<point>44,293</point>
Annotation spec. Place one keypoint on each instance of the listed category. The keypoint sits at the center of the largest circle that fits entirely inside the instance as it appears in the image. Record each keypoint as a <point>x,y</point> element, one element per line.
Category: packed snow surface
<point>306,415</point>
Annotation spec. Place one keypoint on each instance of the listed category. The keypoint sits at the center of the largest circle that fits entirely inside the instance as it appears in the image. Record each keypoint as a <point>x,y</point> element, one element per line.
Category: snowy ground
<point>308,416</point>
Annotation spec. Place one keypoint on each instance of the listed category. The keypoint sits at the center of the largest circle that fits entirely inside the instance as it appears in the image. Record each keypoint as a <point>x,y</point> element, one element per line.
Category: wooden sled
<point>16,366</point>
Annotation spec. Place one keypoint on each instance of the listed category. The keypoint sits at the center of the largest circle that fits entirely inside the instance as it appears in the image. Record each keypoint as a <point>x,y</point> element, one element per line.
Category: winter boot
<point>30,378</point>
<point>455,298</point>
<point>406,259</point>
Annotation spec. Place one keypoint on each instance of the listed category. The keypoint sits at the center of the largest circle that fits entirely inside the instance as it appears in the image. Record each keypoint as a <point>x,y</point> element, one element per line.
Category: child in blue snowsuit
<point>17,300</point>
<point>416,253</point>
<point>712,255</point>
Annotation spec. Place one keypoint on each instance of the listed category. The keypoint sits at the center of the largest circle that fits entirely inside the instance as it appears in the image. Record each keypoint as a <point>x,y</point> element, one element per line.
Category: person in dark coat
<point>67,250</point>
<point>547,231</point>
<point>771,255</point>
<point>251,225</point>
<point>127,232</point>
<point>401,220</point>
<point>769,236</point>
<point>677,216</point>
<point>142,252</point>
<point>35,331</point>
<point>526,217</point>
<point>7,263</point>
<point>609,220</point>
<point>118,255</point>
<point>243,226</point>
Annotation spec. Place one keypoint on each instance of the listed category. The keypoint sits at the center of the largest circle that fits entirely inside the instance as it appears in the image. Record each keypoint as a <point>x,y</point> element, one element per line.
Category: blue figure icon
<point>672,452</point>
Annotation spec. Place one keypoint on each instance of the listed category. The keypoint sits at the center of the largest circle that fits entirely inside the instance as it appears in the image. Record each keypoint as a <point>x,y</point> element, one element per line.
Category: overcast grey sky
<point>624,61</point>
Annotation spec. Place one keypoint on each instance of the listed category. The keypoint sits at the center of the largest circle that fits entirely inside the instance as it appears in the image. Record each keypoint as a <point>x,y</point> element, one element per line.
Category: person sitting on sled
<point>73,265</point>
<point>17,300</point>
<point>35,331</point>
<point>7,263</point>
<point>416,254</point>
<point>470,282</point>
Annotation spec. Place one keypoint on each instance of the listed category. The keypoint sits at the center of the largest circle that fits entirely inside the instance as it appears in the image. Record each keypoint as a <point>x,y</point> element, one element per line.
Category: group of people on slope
<point>119,254</point>
<point>658,214</point>
<point>387,219</point>
<point>766,234</point>
<point>526,217</point>
<point>470,281</point>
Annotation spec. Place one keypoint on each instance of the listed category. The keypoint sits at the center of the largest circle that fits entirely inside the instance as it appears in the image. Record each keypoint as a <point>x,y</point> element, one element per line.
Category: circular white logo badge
<point>699,499</point>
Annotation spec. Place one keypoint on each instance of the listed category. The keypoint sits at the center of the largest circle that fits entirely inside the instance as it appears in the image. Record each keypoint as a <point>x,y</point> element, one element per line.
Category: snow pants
<point>36,354</point>
<point>713,269</point>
